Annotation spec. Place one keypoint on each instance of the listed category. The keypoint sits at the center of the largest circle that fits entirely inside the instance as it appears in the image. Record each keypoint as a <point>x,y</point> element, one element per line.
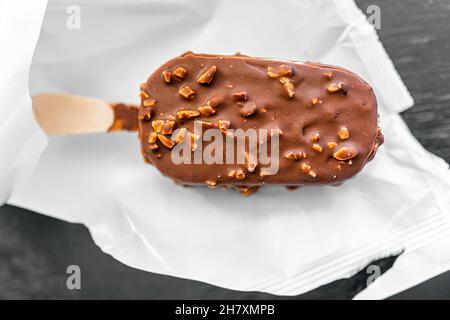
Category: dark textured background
<point>35,250</point>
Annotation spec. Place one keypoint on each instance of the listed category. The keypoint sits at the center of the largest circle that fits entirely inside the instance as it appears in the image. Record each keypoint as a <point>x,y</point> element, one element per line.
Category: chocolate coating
<point>125,117</point>
<point>327,116</point>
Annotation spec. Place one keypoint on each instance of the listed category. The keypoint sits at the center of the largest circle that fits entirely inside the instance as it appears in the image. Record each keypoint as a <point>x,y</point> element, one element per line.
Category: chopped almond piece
<point>145,113</point>
<point>295,156</point>
<point>166,141</point>
<point>223,125</point>
<point>187,93</point>
<point>315,101</point>
<point>289,155</point>
<point>280,71</point>
<point>187,114</point>
<point>149,102</point>
<point>208,124</point>
<point>167,76</point>
<point>343,133</point>
<point>168,127</point>
<point>207,76</point>
<point>332,145</point>
<point>240,175</point>
<point>152,137</point>
<point>143,95</point>
<point>231,174</point>
<point>317,147</point>
<point>179,138</point>
<point>211,184</point>
<point>194,139</point>
<point>157,125</point>
<point>240,96</point>
<point>288,86</point>
<point>248,109</point>
<point>345,153</point>
<point>206,110</point>
<point>315,137</point>
<point>329,75</point>
<point>180,72</point>
<point>336,87</point>
<point>305,167</point>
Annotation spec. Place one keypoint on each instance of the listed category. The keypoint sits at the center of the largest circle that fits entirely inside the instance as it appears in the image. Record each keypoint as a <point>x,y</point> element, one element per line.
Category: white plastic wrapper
<point>274,241</point>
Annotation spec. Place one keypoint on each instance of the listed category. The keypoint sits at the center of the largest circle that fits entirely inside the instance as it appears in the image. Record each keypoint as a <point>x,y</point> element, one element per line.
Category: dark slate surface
<point>35,250</point>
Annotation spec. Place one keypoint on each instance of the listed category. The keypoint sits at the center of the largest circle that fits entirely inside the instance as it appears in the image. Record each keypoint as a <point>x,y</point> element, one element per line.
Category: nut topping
<point>223,125</point>
<point>251,167</point>
<point>231,174</point>
<point>206,110</point>
<point>210,183</point>
<point>305,167</point>
<point>194,139</point>
<point>187,114</point>
<point>329,75</point>
<point>343,133</point>
<point>295,156</point>
<point>152,137</point>
<point>345,153</point>
<point>180,72</point>
<point>168,126</point>
<point>149,102</point>
<point>207,124</point>
<point>240,96</point>
<point>280,71</point>
<point>246,191</point>
<point>240,175</point>
<point>157,125</point>
<point>207,76</point>
<point>336,87</point>
<point>143,95</point>
<point>166,141</point>
<point>332,145</point>
<point>167,76</point>
<point>248,109</point>
<point>153,146</point>
<point>316,101</point>
<point>317,147</point>
<point>288,86</point>
<point>187,93</point>
<point>179,137</point>
<point>315,137</point>
<point>145,113</point>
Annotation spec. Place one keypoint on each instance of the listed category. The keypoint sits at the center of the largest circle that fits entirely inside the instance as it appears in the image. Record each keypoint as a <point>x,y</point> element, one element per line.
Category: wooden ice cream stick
<point>60,113</point>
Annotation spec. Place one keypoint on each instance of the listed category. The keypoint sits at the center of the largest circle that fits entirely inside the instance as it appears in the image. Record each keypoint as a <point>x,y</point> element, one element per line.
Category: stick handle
<point>59,113</point>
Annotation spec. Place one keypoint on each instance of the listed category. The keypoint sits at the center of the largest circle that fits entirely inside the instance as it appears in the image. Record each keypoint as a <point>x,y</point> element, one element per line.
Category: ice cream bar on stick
<point>323,118</point>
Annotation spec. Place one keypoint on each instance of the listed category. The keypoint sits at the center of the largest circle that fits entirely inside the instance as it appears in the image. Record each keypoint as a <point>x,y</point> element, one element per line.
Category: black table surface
<point>36,250</point>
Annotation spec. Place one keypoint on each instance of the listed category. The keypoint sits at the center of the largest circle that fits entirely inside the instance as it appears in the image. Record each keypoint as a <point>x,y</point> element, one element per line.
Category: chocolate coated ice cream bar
<point>244,122</point>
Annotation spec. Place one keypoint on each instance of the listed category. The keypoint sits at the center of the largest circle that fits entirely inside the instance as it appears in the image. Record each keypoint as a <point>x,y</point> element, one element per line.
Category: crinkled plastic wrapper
<point>274,241</point>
